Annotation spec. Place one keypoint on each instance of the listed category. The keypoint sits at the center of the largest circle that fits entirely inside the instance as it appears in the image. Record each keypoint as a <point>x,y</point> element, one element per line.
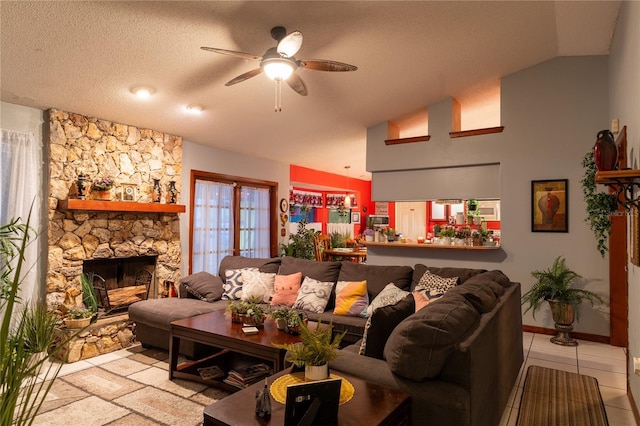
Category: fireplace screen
<point>119,282</point>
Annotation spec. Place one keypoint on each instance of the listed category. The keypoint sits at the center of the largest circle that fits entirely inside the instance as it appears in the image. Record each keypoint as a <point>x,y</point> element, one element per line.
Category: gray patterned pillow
<point>390,295</point>
<point>313,295</point>
<point>434,286</point>
<point>233,284</point>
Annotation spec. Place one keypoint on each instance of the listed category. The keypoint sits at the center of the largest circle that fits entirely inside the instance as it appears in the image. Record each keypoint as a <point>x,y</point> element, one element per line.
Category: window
<point>230,216</point>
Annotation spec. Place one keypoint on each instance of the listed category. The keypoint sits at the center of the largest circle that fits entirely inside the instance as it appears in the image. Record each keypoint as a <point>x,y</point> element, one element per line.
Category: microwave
<point>378,220</point>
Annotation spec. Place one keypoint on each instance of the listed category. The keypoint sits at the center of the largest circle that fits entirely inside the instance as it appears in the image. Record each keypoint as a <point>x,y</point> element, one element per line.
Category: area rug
<point>131,390</point>
<point>554,397</point>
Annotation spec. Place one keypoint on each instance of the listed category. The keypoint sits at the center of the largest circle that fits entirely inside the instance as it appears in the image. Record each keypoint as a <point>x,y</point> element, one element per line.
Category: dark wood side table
<point>371,404</point>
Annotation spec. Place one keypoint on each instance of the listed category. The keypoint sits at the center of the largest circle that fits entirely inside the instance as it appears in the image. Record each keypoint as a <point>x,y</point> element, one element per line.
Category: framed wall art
<point>355,217</point>
<point>549,205</point>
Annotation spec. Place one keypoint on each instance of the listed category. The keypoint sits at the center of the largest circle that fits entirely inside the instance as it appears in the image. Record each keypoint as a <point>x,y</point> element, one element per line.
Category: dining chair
<point>322,243</point>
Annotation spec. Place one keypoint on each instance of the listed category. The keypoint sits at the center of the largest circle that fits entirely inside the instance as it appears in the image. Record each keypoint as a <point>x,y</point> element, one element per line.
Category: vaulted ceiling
<point>86,56</point>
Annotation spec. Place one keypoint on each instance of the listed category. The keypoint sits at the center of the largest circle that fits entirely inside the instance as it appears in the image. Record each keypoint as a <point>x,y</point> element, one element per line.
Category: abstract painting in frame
<point>550,205</point>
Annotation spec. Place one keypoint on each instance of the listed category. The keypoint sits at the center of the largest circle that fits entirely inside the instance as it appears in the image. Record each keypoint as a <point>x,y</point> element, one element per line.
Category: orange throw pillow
<point>286,289</point>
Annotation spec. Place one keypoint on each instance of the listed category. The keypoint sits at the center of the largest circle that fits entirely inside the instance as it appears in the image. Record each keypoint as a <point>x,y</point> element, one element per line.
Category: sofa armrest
<point>440,402</point>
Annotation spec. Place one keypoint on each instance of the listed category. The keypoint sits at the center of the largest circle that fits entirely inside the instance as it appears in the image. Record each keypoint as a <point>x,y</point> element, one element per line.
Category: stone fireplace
<point>129,155</point>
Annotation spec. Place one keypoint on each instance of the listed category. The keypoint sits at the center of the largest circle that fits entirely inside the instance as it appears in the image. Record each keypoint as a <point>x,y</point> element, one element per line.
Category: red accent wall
<point>361,189</point>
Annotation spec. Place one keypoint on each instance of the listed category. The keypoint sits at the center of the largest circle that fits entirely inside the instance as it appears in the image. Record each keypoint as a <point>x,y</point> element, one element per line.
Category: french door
<point>230,216</point>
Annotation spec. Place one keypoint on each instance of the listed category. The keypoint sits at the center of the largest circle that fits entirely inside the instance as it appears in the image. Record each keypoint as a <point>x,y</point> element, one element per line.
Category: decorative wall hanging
<point>549,205</point>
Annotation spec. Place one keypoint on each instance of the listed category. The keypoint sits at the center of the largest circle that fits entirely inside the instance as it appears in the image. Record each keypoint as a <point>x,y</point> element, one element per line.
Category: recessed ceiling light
<point>142,92</point>
<point>196,109</point>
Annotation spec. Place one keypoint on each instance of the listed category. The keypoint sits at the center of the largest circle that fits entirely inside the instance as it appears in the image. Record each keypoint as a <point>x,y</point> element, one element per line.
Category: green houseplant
<point>301,243</point>
<point>556,286</point>
<point>317,348</point>
<point>600,205</point>
<point>27,332</point>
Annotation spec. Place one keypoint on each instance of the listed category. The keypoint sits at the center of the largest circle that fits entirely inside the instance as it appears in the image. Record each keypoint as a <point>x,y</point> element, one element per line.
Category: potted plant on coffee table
<point>317,348</point>
<point>555,285</point>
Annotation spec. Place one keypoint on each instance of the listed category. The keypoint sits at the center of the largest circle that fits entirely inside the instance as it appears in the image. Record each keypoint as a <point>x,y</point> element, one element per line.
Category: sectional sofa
<point>458,357</point>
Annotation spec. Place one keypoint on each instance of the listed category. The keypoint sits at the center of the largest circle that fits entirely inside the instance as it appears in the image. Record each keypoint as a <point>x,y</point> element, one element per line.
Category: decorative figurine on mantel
<point>172,193</point>
<point>83,184</point>
<point>155,193</point>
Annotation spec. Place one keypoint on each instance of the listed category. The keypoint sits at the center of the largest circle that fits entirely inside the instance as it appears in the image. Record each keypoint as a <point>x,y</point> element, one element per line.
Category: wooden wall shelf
<point>476,132</point>
<point>400,141</point>
<point>623,183</point>
<point>120,206</point>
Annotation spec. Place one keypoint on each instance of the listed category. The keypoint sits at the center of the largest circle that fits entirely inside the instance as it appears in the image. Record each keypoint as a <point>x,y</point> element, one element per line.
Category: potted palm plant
<point>317,348</point>
<point>556,286</point>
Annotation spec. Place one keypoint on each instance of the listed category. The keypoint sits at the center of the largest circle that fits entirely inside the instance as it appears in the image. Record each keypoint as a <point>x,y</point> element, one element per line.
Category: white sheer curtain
<point>255,222</point>
<point>212,225</point>
<point>20,183</point>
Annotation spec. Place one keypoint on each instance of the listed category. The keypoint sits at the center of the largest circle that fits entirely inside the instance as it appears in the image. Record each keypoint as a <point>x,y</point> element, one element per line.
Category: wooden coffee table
<point>371,404</point>
<point>230,346</point>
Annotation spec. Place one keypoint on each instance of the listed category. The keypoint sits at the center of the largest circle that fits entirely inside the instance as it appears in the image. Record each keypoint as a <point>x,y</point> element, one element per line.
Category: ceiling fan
<point>279,63</point>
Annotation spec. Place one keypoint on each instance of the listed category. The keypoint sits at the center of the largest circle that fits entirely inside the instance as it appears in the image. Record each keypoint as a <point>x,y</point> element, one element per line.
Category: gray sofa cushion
<point>381,323</point>
<point>495,276</point>
<point>159,313</point>
<point>321,271</point>
<point>377,276</point>
<point>420,345</point>
<point>270,265</point>
<point>463,274</point>
<point>203,286</point>
<point>480,296</point>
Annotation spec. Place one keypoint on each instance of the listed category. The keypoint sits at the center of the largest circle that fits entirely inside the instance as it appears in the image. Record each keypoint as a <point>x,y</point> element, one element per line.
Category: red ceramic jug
<point>605,151</point>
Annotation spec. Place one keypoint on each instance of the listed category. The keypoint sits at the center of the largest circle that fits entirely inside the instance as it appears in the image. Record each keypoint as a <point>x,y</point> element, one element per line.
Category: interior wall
<point>551,114</point>
<point>624,97</point>
<point>209,159</point>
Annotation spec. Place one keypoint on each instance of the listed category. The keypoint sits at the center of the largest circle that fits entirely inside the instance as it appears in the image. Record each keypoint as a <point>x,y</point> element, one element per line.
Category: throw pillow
<point>233,284</point>
<point>390,295</point>
<point>434,286</point>
<point>313,295</point>
<point>381,324</point>
<point>204,286</point>
<point>257,285</point>
<point>286,289</point>
<point>351,298</point>
<point>419,346</point>
<point>421,299</point>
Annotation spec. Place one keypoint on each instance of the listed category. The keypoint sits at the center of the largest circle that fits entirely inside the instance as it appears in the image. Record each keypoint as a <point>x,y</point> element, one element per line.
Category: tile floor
<point>604,362</point>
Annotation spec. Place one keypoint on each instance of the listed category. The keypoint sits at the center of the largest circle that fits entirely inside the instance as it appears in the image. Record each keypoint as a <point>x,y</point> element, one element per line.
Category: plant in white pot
<point>317,348</point>
<point>555,285</point>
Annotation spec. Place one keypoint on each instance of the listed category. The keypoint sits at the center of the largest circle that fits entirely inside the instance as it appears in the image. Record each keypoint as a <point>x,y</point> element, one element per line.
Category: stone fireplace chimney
<point>129,155</point>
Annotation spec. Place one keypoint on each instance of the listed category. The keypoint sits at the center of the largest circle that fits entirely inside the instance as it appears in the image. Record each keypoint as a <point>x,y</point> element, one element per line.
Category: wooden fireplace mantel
<point>120,206</point>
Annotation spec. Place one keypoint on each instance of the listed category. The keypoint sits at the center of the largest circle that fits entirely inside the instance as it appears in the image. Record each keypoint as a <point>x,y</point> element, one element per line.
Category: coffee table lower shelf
<point>224,359</point>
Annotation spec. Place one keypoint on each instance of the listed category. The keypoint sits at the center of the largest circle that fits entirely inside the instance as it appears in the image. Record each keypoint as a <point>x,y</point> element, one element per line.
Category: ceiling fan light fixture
<point>278,68</point>
<point>143,92</point>
<point>195,109</point>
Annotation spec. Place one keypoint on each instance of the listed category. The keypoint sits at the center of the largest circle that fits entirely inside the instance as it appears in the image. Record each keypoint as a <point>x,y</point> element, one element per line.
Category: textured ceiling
<point>84,57</point>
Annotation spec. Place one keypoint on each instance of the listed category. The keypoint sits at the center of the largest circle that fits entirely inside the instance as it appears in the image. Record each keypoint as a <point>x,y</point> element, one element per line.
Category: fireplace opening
<point>119,282</point>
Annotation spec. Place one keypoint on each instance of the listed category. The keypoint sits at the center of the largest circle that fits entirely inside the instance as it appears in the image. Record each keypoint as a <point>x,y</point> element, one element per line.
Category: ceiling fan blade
<point>295,82</point>
<point>242,77</point>
<point>290,45</point>
<point>325,65</point>
<point>242,55</point>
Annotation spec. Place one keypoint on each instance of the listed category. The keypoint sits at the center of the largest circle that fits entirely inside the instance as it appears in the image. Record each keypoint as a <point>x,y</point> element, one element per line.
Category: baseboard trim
<point>577,335</point>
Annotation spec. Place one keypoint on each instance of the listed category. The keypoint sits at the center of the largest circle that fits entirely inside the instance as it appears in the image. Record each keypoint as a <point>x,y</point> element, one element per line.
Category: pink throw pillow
<point>421,299</point>
<point>286,289</point>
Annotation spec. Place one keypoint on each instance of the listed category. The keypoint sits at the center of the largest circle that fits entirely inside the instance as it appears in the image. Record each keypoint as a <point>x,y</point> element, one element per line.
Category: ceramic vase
<point>83,183</point>
<point>172,193</point>
<point>102,195</point>
<point>605,151</point>
<point>155,195</point>
<point>316,372</point>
